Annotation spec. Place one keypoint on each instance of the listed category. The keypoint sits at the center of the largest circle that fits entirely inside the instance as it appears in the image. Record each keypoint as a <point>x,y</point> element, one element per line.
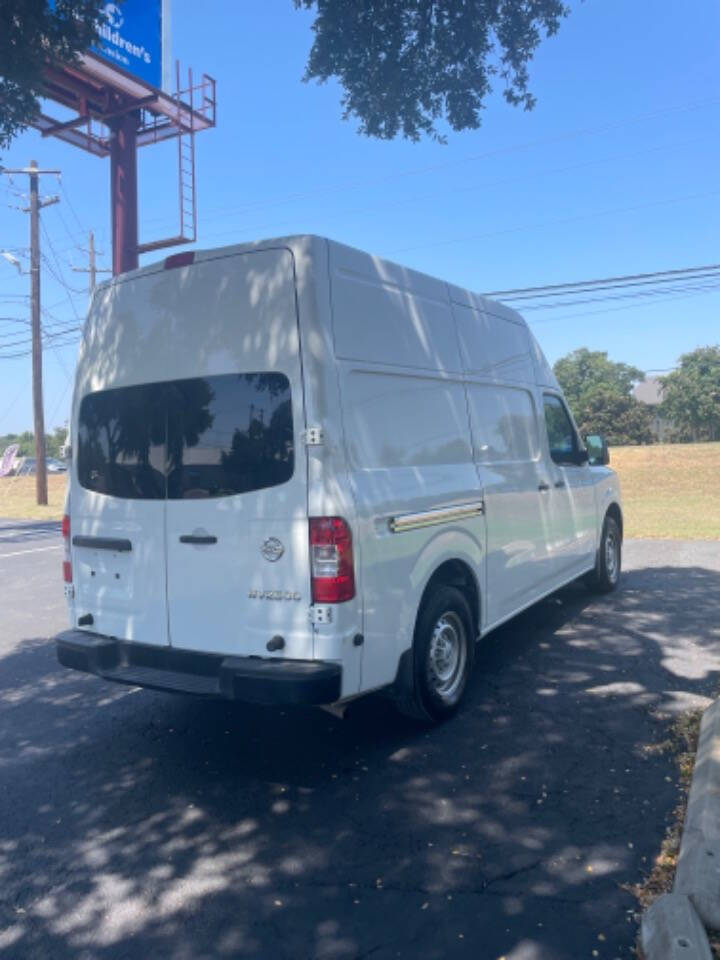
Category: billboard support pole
<point>123,190</point>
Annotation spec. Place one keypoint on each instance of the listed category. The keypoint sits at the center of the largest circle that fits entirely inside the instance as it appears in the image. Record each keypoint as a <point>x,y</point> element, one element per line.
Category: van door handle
<point>103,543</point>
<point>194,538</point>
<point>542,487</point>
<point>559,483</point>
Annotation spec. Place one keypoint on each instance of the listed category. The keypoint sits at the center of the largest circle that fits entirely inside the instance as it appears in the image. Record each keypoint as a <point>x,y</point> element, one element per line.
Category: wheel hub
<point>611,556</point>
<point>447,655</point>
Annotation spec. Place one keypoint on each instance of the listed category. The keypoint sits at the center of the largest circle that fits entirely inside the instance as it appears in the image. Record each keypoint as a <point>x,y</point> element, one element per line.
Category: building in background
<point>649,392</point>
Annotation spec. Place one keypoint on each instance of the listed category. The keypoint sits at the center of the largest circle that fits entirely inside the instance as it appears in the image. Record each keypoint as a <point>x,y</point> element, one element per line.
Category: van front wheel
<point>443,649</point>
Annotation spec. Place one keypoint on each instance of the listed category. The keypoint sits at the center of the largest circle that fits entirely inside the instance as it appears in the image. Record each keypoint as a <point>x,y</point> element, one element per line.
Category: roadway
<point>138,824</point>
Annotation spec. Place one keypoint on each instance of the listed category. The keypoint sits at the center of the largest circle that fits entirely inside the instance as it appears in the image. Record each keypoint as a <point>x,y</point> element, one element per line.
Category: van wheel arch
<point>615,512</point>
<point>458,574</point>
<point>452,573</point>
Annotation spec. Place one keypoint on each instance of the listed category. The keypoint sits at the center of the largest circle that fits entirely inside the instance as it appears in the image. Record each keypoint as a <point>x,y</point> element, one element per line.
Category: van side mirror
<point>597,448</point>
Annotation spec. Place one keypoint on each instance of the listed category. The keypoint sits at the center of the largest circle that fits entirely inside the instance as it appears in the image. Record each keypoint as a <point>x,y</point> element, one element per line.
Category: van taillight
<point>331,560</point>
<point>67,565</point>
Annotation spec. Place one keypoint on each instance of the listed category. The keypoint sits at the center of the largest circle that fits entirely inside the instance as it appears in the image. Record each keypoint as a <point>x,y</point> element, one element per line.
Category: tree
<point>583,370</point>
<point>621,419</point>
<point>691,395</point>
<point>26,442</point>
<point>54,443</point>
<point>599,392</point>
<point>405,64</point>
<point>33,35</point>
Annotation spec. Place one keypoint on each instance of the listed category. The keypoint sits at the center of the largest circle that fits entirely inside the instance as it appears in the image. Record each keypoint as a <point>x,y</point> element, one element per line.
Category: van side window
<point>398,421</point>
<point>562,438</point>
<point>503,424</point>
<point>182,439</point>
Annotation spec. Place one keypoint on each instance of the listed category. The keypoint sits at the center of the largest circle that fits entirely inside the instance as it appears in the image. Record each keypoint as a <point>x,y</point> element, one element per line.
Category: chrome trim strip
<point>413,521</point>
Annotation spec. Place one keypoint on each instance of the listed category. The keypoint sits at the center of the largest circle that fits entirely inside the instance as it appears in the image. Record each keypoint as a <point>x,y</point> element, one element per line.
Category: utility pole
<point>38,415</point>
<point>91,268</point>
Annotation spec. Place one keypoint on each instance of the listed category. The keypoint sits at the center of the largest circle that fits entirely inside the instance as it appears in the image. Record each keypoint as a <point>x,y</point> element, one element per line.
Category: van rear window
<point>182,439</point>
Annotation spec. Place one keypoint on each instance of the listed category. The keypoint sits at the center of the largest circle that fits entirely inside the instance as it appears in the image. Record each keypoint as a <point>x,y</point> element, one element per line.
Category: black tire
<point>442,657</point>
<point>606,575</point>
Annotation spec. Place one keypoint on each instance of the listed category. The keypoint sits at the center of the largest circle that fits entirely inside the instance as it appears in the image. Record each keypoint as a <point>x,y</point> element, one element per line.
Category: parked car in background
<point>26,466</point>
<point>309,473</point>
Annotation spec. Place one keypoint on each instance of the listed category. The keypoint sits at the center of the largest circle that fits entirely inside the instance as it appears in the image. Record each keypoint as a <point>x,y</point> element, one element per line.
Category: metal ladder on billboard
<point>184,122</point>
<point>186,168</point>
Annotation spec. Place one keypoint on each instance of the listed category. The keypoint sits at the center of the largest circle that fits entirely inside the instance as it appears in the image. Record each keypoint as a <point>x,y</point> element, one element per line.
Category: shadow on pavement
<point>139,825</point>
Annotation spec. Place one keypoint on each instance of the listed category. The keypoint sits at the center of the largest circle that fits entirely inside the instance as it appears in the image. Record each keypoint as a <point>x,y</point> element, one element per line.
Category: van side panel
<point>407,440</point>
<point>500,383</point>
<point>507,451</point>
<point>493,346</point>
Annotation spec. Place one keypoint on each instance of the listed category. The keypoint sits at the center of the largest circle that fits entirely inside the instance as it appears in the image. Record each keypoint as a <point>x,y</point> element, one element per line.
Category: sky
<point>614,172</point>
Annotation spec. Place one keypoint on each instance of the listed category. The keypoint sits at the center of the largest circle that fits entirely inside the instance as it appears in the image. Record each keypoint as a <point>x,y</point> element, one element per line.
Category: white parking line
<point>19,553</point>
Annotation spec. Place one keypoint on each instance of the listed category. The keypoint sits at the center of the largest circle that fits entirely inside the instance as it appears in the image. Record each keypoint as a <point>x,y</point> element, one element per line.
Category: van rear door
<point>189,508</point>
<point>117,502</point>
<point>236,522</point>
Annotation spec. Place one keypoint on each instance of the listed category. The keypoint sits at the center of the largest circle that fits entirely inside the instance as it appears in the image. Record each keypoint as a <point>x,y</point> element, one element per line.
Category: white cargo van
<point>300,473</point>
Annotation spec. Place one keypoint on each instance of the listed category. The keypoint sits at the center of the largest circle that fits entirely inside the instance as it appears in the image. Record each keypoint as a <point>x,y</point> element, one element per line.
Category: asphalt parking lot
<point>137,824</point>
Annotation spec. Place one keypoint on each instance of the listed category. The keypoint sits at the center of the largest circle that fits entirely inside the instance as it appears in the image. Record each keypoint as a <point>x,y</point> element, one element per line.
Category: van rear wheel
<point>604,578</point>
<point>443,649</point>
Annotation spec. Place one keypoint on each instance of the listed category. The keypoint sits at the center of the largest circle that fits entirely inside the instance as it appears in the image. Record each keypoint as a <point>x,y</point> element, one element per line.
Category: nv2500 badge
<point>274,595</point>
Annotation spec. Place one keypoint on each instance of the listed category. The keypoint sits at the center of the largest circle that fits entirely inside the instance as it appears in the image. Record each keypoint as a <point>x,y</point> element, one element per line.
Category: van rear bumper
<point>251,679</point>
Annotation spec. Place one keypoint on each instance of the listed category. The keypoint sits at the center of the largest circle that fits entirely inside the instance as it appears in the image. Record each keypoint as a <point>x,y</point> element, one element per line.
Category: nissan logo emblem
<point>272,549</point>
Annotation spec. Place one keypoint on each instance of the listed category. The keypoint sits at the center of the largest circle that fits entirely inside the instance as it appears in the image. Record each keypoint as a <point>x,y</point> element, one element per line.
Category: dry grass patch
<point>17,498</point>
<point>682,743</point>
<point>670,490</point>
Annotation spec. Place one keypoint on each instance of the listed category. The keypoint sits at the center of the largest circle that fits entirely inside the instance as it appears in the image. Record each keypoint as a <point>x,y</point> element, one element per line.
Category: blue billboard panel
<point>130,36</point>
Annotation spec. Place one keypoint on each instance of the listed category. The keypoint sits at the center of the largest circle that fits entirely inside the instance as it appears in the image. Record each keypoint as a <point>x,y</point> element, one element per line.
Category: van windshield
<point>181,439</point>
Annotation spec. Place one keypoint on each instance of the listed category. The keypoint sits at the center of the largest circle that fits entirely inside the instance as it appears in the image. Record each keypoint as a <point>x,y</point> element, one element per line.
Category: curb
<point>698,868</point>
<point>673,925</point>
<point>672,930</point>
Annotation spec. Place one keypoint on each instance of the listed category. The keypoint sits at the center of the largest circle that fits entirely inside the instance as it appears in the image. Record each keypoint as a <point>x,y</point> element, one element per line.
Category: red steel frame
<point>115,114</point>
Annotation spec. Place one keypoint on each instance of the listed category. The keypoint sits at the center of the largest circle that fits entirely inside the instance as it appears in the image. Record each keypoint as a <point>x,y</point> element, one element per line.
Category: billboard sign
<point>130,36</point>
<point>8,459</point>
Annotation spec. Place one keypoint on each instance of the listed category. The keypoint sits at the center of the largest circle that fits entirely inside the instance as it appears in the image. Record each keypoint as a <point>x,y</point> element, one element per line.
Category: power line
<point>66,195</point>
<point>71,236</point>
<point>633,294</point>
<point>13,402</point>
<point>61,280</point>
<point>60,401</point>
<point>27,352</point>
<point>632,306</point>
<point>630,279</point>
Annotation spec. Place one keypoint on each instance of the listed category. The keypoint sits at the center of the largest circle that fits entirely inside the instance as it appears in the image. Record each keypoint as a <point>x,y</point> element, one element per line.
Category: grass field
<point>17,498</point>
<point>668,491</point>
